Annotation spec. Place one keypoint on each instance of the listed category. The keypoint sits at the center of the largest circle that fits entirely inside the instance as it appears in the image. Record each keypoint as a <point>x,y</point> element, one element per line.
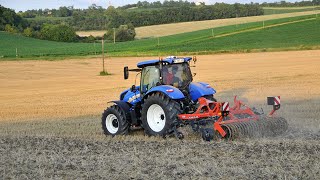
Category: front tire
<point>114,121</point>
<point>159,115</point>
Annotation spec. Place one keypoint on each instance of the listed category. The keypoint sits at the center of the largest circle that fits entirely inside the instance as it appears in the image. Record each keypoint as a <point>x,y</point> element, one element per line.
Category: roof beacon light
<point>180,60</point>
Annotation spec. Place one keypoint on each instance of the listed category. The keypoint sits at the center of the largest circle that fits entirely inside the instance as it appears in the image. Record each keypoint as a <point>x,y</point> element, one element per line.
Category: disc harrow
<point>236,122</point>
<point>254,128</point>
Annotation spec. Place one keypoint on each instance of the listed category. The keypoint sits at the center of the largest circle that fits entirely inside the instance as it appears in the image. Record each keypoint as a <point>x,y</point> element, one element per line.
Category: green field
<point>30,47</point>
<point>282,10</point>
<point>298,35</point>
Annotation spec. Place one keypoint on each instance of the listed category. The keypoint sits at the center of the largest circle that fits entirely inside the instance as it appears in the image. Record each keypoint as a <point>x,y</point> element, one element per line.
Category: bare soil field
<point>177,28</point>
<point>50,121</point>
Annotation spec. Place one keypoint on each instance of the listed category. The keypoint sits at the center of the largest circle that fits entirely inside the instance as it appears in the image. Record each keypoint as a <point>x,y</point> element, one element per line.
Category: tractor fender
<point>200,89</point>
<point>170,91</point>
<point>124,106</point>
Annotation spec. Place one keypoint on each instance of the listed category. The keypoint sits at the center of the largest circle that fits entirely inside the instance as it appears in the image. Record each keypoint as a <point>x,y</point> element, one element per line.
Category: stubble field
<point>50,121</point>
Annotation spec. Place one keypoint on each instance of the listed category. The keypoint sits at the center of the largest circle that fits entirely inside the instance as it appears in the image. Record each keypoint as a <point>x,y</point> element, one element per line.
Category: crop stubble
<point>50,127</point>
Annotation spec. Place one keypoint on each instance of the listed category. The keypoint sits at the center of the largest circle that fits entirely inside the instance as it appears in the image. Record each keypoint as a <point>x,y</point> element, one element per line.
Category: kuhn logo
<point>190,117</point>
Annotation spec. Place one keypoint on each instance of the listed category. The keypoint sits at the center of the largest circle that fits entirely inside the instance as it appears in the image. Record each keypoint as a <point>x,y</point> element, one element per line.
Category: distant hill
<point>281,34</point>
<point>177,28</point>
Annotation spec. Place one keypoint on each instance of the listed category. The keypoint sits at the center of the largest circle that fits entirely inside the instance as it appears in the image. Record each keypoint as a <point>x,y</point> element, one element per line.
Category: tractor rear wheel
<point>159,115</point>
<point>114,121</point>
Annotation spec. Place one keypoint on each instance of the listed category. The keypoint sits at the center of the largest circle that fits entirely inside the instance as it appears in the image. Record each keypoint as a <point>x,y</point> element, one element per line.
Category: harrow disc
<point>264,127</point>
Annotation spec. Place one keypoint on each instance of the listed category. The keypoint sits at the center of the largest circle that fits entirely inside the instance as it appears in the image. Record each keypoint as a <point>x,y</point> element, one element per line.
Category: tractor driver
<point>171,78</point>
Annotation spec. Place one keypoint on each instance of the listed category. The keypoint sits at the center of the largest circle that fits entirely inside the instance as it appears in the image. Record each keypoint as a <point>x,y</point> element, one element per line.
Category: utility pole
<point>102,53</point>
<point>16,52</point>
<point>314,8</point>
<point>237,21</point>
<point>263,24</point>
<point>158,41</point>
<point>114,35</point>
<point>212,32</point>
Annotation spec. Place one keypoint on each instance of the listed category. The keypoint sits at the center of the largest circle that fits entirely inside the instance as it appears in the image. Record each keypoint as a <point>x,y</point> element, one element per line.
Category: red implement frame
<point>206,109</point>
<point>239,109</point>
<point>210,109</point>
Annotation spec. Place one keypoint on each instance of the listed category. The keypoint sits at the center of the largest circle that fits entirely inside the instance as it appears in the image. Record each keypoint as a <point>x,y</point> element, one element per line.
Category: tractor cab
<point>171,76</point>
<point>171,71</point>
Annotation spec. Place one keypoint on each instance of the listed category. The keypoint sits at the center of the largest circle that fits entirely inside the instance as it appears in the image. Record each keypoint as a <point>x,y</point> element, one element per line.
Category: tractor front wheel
<point>159,115</point>
<point>114,121</point>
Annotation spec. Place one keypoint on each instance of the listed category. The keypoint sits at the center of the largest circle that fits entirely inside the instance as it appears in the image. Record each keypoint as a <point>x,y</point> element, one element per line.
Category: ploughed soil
<point>50,123</point>
<point>145,158</point>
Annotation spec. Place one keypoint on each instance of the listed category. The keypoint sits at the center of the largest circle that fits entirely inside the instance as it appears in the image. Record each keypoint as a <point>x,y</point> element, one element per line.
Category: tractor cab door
<point>150,77</point>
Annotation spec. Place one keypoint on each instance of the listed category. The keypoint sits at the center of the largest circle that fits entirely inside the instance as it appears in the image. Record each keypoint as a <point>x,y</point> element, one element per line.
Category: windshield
<point>177,75</point>
<point>150,78</point>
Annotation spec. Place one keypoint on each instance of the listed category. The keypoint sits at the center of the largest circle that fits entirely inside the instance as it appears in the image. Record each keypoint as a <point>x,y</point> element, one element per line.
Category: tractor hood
<point>199,89</point>
<point>131,97</point>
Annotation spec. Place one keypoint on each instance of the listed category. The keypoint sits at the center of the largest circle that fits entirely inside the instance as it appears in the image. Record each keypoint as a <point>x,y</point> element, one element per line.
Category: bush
<point>28,32</point>
<point>89,39</point>
<point>123,33</point>
<point>61,32</point>
<point>11,29</point>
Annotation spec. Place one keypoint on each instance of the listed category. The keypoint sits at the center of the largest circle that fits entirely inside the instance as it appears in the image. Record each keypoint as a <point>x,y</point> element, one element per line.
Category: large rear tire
<point>114,121</point>
<point>159,115</point>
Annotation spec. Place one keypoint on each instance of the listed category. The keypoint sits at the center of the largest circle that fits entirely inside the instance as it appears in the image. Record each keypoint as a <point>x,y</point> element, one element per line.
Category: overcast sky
<point>23,5</point>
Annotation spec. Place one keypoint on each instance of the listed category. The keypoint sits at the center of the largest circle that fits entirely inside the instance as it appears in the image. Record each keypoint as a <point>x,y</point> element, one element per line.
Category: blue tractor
<point>167,98</point>
<point>166,90</point>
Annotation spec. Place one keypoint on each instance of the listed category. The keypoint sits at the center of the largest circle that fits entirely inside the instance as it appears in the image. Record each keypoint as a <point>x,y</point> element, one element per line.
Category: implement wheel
<point>159,115</point>
<point>114,121</point>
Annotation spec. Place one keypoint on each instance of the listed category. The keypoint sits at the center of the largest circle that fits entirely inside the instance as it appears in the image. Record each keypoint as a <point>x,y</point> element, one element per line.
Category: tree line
<point>158,4</point>
<point>291,4</point>
<point>192,13</point>
<point>9,17</point>
<point>145,14</point>
<point>99,19</point>
<point>61,12</point>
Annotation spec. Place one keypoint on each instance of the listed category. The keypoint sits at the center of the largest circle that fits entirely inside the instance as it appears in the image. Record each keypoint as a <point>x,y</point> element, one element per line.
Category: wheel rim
<point>112,123</point>
<point>156,117</point>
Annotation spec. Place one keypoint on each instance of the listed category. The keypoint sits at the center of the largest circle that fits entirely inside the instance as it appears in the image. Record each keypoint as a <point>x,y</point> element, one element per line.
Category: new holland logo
<point>133,98</point>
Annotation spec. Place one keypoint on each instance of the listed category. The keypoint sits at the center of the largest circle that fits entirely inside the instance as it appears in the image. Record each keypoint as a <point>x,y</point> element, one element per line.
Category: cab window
<point>150,77</point>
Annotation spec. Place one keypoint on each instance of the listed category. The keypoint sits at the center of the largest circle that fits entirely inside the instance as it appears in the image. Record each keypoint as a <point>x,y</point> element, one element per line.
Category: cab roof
<point>169,60</point>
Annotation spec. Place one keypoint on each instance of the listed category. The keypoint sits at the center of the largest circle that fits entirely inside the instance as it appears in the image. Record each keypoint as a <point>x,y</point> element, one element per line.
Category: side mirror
<point>133,88</point>
<point>194,58</point>
<point>126,72</point>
